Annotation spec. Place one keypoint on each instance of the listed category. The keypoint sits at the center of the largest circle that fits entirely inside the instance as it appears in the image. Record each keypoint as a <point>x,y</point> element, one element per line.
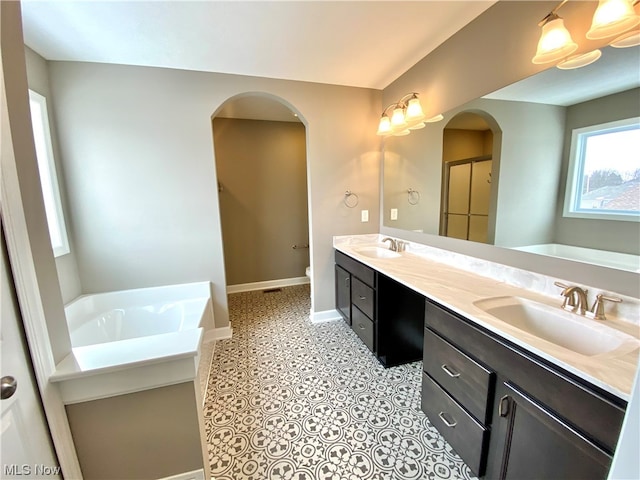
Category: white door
<point>25,445</point>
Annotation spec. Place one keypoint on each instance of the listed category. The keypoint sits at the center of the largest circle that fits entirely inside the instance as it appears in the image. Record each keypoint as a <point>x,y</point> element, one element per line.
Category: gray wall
<point>141,180</point>
<point>144,435</point>
<point>38,78</point>
<point>491,52</point>
<point>262,168</point>
<point>601,234</point>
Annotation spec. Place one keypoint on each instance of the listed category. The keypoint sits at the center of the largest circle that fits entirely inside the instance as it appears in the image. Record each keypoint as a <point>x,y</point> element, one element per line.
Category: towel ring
<point>350,199</point>
<point>413,196</point>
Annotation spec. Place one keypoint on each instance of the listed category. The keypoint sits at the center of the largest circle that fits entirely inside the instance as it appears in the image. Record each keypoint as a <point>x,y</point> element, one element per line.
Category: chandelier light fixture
<point>406,115</point>
<point>612,18</point>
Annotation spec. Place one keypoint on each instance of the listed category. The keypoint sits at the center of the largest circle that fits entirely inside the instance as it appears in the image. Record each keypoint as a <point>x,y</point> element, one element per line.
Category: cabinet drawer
<point>462,377</point>
<point>594,413</point>
<point>364,273</point>
<point>363,326</point>
<point>362,296</point>
<point>465,435</point>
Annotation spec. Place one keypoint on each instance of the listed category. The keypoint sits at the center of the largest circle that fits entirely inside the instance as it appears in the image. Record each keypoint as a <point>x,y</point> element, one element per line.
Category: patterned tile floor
<point>287,399</point>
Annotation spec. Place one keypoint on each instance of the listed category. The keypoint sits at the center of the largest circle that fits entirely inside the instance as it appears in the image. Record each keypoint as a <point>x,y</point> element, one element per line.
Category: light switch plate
<point>364,215</point>
<point>394,214</point>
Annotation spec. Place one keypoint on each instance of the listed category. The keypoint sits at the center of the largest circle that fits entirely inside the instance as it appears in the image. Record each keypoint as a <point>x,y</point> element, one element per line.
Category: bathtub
<point>622,261</point>
<point>145,312</point>
<point>133,340</point>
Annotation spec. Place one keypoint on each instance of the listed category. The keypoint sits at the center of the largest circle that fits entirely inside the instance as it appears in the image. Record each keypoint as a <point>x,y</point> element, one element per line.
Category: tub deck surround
<point>118,346</point>
<point>622,261</point>
<point>455,281</point>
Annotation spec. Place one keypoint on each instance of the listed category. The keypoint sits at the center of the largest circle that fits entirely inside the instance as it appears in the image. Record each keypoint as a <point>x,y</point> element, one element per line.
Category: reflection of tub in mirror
<point>531,168</point>
<point>622,261</point>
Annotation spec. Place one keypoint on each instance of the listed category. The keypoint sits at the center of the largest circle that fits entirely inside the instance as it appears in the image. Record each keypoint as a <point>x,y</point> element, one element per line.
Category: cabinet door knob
<point>450,372</point>
<point>446,421</point>
<point>503,406</point>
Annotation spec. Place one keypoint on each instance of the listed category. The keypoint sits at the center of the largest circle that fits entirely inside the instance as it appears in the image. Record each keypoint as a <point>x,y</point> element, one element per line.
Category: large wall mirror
<point>505,157</point>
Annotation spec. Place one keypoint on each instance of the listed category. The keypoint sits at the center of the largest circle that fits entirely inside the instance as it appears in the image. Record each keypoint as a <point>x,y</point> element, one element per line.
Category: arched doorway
<point>261,166</point>
<point>468,190</point>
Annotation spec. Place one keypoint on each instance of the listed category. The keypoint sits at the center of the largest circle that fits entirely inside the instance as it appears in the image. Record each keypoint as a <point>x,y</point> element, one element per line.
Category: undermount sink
<point>376,252</point>
<point>576,333</point>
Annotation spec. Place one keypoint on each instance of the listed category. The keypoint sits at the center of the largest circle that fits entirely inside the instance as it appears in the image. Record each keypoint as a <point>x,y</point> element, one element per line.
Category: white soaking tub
<point>621,261</point>
<point>133,340</point>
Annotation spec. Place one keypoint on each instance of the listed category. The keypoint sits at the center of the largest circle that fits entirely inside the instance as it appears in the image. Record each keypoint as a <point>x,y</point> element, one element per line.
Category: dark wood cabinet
<point>386,315</point>
<point>356,297</point>
<point>400,323</point>
<point>343,293</point>
<point>544,422</point>
<point>530,442</point>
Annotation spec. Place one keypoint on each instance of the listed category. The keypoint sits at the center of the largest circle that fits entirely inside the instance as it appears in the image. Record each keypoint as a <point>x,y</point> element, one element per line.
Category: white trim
<point>193,475</point>
<point>29,296</point>
<point>216,334</point>
<point>574,169</point>
<point>284,282</point>
<point>325,316</point>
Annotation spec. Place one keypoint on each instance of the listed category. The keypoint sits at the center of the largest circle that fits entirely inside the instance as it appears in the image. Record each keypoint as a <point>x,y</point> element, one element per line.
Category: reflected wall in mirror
<point>532,123</point>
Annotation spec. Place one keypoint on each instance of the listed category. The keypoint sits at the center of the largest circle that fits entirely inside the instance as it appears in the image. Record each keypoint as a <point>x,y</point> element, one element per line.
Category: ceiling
<point>354,43</point>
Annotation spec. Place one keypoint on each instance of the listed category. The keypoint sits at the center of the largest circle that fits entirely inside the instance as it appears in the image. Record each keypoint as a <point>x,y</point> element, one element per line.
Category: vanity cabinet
<point>543,421</point>
<point>343,293</point>
<point>530,442</point>
<point>356,297</point>
<point>457,393</point>
<point>386,315</point>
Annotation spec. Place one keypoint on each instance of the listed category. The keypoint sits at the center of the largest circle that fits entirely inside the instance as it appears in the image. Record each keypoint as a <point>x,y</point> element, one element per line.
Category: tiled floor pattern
<point>291,400</point>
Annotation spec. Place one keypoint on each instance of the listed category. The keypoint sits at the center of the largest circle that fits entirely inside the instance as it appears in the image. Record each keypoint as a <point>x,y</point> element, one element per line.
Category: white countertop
<point>457,289</point>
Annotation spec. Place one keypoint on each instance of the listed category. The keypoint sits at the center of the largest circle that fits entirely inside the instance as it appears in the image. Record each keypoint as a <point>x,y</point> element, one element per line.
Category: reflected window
<point>48,176</point>
<point>604,172</point>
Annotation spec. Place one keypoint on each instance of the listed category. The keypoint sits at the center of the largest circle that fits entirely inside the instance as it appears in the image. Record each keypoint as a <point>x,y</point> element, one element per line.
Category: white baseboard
<point>215,334</point>
<point>194,475</point>
<point>325,316</point>
<point>284,282</point>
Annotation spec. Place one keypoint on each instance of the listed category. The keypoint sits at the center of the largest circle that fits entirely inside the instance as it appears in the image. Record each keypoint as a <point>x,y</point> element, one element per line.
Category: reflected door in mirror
<point>466,208</point>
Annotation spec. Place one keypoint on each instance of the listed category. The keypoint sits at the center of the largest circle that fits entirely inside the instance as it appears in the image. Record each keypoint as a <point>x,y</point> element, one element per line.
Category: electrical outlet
<point>364,215</point>
<point>394,214</point>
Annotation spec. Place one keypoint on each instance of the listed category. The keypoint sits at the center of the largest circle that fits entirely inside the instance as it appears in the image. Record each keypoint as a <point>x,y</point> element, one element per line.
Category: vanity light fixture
<point>407,115</point>
<point>611,18</point>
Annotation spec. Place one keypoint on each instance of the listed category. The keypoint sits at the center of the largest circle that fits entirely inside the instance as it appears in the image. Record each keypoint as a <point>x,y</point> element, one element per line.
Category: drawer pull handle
<point>362,298</point>
<point>361,326</point>
<point>450,372</point>
<point>446,420</point>
<point>503,406</point>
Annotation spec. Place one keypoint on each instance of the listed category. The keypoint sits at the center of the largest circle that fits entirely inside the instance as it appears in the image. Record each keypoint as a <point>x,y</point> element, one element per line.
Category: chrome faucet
<point>575,298</point>
<point>393,245</point>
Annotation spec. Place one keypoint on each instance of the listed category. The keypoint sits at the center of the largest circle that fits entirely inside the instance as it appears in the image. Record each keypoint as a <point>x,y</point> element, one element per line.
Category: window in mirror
<point>48,176</point>
<point>604,172</point>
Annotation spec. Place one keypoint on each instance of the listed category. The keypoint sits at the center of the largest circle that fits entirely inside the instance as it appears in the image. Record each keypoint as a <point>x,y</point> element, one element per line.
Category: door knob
<point>9,386</point>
